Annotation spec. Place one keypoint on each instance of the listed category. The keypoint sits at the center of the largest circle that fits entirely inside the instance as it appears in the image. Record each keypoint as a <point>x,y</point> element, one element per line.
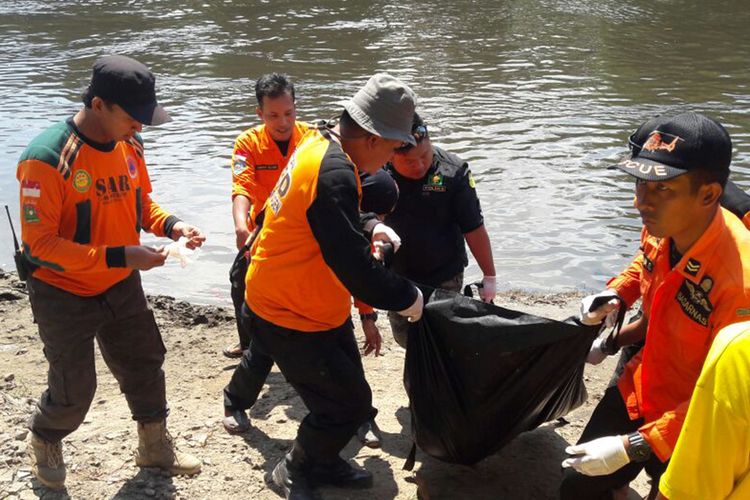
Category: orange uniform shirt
<point>257,163</point>
<point>288,283</point>
<point>685,307</point>
<point>628,282</point>
<point>81,203</point>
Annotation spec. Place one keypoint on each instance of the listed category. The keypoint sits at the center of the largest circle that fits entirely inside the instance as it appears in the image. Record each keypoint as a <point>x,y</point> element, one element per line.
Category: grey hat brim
<point>378,129</point>
<point>648,170</point>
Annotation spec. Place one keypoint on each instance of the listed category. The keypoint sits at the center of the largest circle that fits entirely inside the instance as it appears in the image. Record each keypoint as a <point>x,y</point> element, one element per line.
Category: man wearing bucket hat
<point>308,259</point>
<point>85,196</point>
<point>693,276</point>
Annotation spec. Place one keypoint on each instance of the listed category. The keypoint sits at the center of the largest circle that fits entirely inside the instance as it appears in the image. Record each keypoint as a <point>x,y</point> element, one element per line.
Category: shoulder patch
<point>692,267</point>
<point>57,146</point>
<point>239,164</point>
<point>694,300</point>
<point>30,215</point>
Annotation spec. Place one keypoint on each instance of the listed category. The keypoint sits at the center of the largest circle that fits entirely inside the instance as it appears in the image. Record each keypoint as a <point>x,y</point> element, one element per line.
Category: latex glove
<point>489,289</point>
<point>414,312</point>
<point>596,355</point>
<point>377,250</point>
<point>194,236</point>
<point>606,312</point>
<point>180,250</point>
<point>599,457</point>
<point>381,232</point>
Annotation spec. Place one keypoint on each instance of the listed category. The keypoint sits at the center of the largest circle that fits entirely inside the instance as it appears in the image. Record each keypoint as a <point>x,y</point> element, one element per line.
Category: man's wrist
<point>373,316</point>
<point>173,225</point>
<point>636,447</point>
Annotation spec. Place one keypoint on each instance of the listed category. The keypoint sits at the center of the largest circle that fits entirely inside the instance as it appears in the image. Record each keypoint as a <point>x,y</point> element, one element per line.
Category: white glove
<point>414,312</point>
<point>606,312</point>
<point>381,232</point>
<point>599,457</point>
<point>489,289</point>
<point>596,355</point>
<point>179,250</point>
<point>377,250</point>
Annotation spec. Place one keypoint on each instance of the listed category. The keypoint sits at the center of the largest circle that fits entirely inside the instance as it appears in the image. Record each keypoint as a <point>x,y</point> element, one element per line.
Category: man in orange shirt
<point>309,258</point>
<point>85,196</point>
<point>260,154</point>
<point>693,275</point>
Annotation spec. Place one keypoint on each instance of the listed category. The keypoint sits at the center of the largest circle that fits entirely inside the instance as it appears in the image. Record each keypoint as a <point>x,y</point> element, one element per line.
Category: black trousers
<point>326,370</point>
<point>124,327</point>
<point>610,418</point>
<point>248,378</point>
<point>237,281</point>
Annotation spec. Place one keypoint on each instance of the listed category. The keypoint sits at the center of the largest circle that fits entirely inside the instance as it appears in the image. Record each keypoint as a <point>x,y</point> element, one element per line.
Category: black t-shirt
<point>431,217</point>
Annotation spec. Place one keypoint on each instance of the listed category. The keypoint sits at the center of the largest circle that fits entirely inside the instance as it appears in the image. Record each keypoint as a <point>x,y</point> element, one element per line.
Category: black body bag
<point>478,375</point>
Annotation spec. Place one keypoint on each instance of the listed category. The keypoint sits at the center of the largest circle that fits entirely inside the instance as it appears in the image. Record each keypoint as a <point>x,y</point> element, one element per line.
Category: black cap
<point>129,84</point>
<point>379,192</point>
<point>666,147</point>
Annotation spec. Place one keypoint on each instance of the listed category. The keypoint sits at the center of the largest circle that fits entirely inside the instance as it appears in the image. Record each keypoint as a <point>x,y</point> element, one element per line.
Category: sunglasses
<point>419,133</point>
<point>634,147</point>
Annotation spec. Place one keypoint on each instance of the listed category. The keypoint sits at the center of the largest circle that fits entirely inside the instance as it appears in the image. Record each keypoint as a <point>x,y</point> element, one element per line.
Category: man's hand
<point>414,312</point>
<point>241,234</point>
<point>373,339</point>
<point>381,232</point>
<point>596,354</point>
<point>599,457</point>
<point>489,289</point>
<point>607,311</point>
<point>144,258</point>
<point>194,236</point>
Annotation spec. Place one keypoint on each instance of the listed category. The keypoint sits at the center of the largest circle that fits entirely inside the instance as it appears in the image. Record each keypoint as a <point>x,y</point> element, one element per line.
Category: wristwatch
<point>639,450</point>
<point>373,316</point>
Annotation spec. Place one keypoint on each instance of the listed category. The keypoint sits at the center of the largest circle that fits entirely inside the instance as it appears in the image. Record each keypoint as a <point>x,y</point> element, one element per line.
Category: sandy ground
<point>99,454</point>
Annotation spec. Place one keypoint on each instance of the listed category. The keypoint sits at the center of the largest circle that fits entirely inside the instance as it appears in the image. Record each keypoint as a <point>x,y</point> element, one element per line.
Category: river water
<point>538,95</point>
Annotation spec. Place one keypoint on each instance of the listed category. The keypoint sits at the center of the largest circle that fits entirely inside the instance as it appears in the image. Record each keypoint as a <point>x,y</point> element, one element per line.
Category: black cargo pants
<point>237,291</point>
<point>124,327</point>
<point>325,369</point>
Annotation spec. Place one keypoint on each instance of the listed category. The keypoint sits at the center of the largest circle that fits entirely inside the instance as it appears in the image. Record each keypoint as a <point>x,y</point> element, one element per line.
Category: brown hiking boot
<point>156,449</point>
<point>47,462</point>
